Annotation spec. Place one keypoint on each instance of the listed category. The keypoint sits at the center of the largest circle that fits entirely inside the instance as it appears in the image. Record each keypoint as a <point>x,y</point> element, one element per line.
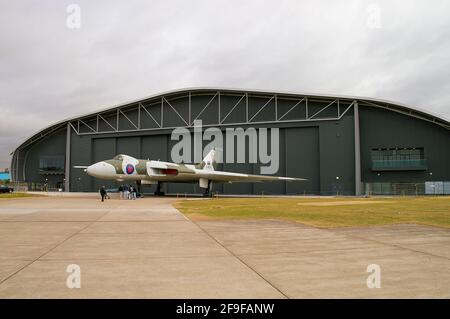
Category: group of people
<point>127,192</point>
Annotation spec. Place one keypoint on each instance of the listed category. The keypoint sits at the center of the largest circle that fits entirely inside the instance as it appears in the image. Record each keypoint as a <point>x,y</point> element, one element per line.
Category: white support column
<point>306,108</point>
<point>117,120</point>
<point>218,102</point>
<point>67,170</point>
<point>162,112</point>
<point>276,108</point>
<point>358,190</point>
<point>190,117</point>
<point>246,108</point>
<point>139,116</point>
<point>17,165</point>
<point>13,169</point>
<point>11,166</point>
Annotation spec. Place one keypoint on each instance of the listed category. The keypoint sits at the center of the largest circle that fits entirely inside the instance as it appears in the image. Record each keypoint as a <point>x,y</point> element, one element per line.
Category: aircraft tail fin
<point>210,161</point>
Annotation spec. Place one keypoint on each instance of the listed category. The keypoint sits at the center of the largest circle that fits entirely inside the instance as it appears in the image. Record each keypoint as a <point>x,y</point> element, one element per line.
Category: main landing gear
<point>139,188</point>
<point>158,190</point>
<point>207,192</point>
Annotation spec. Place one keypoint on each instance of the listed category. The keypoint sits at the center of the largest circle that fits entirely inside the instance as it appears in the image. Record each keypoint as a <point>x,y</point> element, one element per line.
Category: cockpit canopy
<point>118,157</point>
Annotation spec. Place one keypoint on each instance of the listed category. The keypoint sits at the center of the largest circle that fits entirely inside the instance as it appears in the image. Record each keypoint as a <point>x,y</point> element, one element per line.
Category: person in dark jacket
<point>126,191</point>
<point>103,193</point>
<point>134,193</point>
<point>121,191</point>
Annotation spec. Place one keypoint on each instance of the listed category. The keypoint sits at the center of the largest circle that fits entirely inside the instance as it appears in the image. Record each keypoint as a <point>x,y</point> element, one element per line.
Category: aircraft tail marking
<point>209,163</point>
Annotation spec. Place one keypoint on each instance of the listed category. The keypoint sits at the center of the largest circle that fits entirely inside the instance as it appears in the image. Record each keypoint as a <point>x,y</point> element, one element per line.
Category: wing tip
<point>293,179</point>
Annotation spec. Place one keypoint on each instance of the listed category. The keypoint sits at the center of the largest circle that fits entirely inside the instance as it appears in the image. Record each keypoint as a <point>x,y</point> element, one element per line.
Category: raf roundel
<point>129,169</point>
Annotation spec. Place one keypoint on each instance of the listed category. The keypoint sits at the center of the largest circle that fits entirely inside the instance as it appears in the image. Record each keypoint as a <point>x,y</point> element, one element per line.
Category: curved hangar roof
<point>317,107</point>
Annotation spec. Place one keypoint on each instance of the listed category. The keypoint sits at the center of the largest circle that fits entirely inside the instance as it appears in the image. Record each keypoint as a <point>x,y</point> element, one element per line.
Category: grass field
<point>325,212</point>
<point>15,195</point>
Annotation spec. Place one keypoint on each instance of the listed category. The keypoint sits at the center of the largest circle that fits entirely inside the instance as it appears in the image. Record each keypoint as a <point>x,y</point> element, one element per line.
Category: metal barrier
<point>407,189</point>
<point>437,188</point>
<point>34,187</point>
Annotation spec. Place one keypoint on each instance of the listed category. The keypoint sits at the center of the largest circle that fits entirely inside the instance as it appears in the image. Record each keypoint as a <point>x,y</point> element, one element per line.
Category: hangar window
<point>51,164</point>
<point>400,159</point>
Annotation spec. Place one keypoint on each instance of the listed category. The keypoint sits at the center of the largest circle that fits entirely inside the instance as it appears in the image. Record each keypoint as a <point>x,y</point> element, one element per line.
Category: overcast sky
<point>125,50</point>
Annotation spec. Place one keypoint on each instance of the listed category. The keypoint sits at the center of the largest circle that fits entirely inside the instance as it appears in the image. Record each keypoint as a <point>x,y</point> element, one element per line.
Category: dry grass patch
<point>326,212</point>
<point>16,195</point>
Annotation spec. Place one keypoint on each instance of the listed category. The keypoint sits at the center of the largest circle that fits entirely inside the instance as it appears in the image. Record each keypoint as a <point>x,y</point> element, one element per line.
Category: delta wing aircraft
<point>127,168</point>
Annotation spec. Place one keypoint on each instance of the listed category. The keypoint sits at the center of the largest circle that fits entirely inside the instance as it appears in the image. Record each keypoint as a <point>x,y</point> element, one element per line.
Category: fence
<point>407,189</point>
<point>403,189</point>
<point>437,188</point>
<point>33,187</point>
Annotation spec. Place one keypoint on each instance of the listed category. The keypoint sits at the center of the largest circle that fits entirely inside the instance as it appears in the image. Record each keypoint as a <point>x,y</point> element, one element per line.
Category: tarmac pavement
<point>148,249</point>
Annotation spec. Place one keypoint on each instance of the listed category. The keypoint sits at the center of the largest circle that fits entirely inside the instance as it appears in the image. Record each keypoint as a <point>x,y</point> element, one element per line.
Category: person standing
<point>103,193</point>
<point>125,191</point>
<point>131,192</point>
<point>134,193</point>
<point>121,191</point>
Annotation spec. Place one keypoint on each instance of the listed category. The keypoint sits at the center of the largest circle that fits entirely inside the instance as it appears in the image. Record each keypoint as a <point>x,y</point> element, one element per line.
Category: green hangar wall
<point>342,145</point>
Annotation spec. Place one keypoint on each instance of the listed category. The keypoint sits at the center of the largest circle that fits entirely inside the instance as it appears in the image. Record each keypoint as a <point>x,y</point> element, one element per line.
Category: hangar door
<point>303,159</point>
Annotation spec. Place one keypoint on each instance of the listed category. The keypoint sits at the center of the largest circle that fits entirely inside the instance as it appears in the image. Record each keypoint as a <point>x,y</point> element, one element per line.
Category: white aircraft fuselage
<point>127,168</point>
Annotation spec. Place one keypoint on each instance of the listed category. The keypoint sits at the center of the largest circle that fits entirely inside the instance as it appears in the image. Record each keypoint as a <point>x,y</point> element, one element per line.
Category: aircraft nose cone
<point>101,170</point>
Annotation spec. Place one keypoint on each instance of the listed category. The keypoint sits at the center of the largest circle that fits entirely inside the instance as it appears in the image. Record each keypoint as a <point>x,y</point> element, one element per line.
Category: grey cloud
<point>126,50</point>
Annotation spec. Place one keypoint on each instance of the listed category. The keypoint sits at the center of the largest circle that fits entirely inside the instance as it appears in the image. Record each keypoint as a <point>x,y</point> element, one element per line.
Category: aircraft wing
<point>219,176</point>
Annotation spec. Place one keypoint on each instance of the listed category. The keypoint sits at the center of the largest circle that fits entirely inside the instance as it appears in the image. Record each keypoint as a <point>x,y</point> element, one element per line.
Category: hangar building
<point>342,144</point>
